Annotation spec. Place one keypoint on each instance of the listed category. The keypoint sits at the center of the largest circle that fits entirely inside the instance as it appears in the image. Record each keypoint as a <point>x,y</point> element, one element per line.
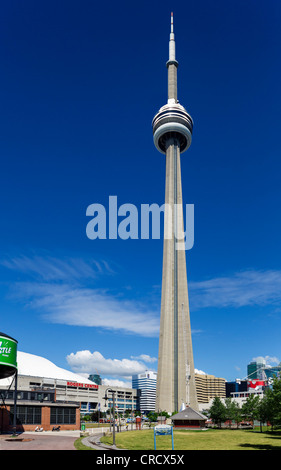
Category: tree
<point>217,411</point>
<point>229,409</point>
<point>269,409</point>
<point>233,411</point>
<point>86,418</point>
<point>273,403</point>
<point>250,408</point>
<point>128,413</point>
<point>152,416</point>
<point>263,412</point>
<point>276,387</point>
<point>236,413</point>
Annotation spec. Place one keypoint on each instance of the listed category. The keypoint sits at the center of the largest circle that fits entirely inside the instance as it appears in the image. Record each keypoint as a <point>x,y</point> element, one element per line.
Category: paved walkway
<point>46,440</point>
<point>94,443</point>
<point>49,440</point>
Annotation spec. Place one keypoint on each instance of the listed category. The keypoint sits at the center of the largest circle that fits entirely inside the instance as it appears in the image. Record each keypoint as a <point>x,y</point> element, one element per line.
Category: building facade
<point>208,387</point>
<point>49,396</point>
<point>236,386</point>
<point>146,384</point>
<point>37,410</point>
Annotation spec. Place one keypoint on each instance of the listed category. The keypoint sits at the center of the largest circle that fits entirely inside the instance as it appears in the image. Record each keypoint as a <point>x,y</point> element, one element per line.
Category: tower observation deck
<point>172,135</point>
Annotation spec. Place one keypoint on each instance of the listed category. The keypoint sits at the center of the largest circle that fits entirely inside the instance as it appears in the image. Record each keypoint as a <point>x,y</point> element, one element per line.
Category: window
<point>27,414</point>
<point>63,415</point>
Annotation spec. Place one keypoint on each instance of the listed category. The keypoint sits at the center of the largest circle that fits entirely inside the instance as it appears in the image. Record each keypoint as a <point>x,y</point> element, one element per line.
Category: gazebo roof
<point>190,414</point>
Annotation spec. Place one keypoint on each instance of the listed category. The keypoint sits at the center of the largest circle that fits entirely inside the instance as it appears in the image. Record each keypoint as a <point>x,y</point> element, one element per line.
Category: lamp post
<point>113,397</point>
<point>15,405</point>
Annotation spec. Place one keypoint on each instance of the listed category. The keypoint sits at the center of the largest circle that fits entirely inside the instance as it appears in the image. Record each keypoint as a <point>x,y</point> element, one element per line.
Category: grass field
<point>212,439</point>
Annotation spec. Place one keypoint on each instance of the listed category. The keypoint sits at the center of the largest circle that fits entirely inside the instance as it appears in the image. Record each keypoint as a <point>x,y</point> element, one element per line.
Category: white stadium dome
<point>37,366</point>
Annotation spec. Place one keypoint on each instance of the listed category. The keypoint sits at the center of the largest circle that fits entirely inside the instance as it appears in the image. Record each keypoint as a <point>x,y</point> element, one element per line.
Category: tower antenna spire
<point>172,65</point>
<point>172,44</point>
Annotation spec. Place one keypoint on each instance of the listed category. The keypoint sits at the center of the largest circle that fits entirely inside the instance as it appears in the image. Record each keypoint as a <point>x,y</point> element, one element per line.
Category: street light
<point>106,398</point>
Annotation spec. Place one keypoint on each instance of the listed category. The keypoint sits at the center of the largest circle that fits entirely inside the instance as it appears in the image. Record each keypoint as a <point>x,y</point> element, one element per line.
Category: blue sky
<point>80,84</point>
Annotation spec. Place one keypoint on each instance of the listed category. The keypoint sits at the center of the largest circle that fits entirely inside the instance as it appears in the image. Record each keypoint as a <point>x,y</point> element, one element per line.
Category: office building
<point>146,384</point>
<point>208,387</point>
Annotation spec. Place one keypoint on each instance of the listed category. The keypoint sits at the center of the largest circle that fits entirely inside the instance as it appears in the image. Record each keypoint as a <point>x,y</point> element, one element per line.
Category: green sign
<point>8,352</point>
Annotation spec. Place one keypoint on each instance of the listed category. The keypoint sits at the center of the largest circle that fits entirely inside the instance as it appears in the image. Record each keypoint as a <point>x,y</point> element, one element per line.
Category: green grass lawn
<point>96,425</point>
<point>212,439</point>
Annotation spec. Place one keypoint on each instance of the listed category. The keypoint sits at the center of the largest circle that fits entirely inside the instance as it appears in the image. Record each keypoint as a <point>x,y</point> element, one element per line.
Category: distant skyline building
<point>96,378</point>
<point>259,370</point>
<point>172,134</point>
<point>146,383</point>
<point>255,370</point>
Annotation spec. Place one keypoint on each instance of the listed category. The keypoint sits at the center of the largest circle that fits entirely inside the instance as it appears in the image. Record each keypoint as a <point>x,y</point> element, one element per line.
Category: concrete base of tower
<point>175,378</point>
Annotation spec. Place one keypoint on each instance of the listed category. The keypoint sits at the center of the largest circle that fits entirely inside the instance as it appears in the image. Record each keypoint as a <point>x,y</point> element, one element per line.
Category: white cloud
<point>58,292</point>
<point>85,362</point>
<point>49,268</point>
<point>117,383</point>
<point>245,288</point>
<point>75,305</point>
<point>145,358</point>
<point>93,362</point>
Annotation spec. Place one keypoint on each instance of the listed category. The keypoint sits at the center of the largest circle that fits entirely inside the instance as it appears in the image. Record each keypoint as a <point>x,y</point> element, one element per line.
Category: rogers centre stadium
<point>49,396</point>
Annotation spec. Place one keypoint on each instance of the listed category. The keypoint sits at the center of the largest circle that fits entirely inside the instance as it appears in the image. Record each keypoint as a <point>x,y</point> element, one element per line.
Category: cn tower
<point>172,134</point>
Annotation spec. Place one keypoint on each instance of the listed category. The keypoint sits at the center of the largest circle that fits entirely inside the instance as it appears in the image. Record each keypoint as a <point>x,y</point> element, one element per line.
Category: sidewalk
<point>95,434</point>
<point>94,443</point>
<point>46,440</point>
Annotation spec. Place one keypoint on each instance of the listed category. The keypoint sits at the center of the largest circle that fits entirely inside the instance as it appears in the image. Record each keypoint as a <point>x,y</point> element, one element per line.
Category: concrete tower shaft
<point>172,134</point>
